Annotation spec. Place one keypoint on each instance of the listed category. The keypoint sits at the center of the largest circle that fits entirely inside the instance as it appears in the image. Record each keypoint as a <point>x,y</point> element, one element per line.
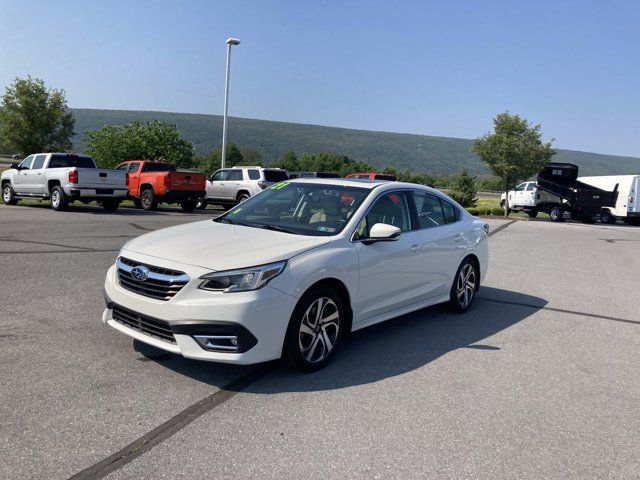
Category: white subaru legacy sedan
<point>292,270</point>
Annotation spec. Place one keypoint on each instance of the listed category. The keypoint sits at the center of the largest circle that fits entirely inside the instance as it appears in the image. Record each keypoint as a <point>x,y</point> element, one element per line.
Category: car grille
<point>147,325</point>
<point>161,284</point>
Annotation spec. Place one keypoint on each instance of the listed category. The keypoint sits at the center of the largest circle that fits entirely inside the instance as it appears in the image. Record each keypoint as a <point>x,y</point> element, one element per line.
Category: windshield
<point>63,161</point>
<point>304,209</point>
<point>158,167</point>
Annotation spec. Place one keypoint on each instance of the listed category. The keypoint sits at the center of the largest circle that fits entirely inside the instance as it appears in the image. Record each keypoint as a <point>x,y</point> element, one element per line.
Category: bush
<point>464,189</point>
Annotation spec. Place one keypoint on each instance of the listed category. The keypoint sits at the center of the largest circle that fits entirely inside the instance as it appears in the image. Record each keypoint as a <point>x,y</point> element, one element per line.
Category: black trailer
<point>581,201</point>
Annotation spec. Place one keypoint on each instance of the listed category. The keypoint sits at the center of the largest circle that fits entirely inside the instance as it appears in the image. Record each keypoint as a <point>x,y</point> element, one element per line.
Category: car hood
<point>220,246</point>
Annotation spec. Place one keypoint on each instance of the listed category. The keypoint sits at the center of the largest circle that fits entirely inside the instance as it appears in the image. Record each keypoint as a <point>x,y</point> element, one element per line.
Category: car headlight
<point>241,280</point>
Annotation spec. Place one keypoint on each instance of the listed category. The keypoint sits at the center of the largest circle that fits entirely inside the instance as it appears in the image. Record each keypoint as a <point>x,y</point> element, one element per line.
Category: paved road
<point>540,380</point>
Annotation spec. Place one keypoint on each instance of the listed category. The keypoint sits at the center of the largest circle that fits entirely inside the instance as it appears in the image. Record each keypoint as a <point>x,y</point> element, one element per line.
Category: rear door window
<point>254,174</point>
<point>38,162</point>
<point>429,209</point>
<point>234,175</point>
<point>275,175</point>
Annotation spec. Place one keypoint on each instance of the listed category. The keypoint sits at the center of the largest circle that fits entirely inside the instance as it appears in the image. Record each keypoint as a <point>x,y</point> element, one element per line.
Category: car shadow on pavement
<point>123,211</point>
<point>387,349</point>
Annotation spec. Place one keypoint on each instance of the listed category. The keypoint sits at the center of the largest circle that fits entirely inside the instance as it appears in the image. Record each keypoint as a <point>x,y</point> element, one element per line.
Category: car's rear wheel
<point>465,286</point>
<point>607,217</point>
<point>148,200</point>
<point>315,330</point>
<point>242,197</point>
<point>59,200</point>
<point>7,194</point>
<point>201,204</point>
<point>555,214</point>
<point>532,213</point>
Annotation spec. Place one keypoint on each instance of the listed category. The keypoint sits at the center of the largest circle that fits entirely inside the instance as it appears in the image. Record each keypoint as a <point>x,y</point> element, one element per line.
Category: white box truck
<point>626,207</point>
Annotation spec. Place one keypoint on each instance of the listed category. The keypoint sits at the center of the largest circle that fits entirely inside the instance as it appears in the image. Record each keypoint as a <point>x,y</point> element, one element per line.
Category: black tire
<point>302,334</point>
<point>607,217</point>
<point>242,197</point>
<point>110,205</point>
<point>556,214</point>
<point>8,195</point>
<point>59,200</point>
<point>532,213</point>
<point>148,200</point>
<point>188,205</point>
<point>465,286</point>
<point>201,204</point>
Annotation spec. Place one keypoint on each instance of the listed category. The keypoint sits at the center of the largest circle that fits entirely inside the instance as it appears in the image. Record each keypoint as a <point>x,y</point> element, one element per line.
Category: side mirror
<point>15,166</point>
<point>383,232</point>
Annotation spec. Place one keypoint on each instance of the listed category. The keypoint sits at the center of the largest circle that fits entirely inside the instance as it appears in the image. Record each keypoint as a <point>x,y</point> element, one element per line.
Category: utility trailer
<point>578,200</point>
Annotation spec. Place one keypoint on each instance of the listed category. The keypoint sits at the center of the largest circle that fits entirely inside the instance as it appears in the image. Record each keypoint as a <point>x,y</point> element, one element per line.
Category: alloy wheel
<point>466,285</point>
<point>55,198</point>
<point>6,194</point>
<point>319,330</point>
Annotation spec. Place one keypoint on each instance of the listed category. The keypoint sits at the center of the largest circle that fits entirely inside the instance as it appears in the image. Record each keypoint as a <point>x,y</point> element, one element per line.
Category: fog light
<point>224,343</point>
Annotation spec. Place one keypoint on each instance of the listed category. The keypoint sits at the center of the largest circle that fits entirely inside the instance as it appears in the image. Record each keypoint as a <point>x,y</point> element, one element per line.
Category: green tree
<point>234,156</point>
<point>464,189</point>
<point>288,162</point>
<point>34,118</point>
<point>212,162</point>
<point>153,140</point>
<point>514,151</point>
<point>251,156</point>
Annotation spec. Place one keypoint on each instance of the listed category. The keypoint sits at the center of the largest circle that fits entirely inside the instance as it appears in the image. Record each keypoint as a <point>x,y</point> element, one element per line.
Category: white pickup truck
<point>527,198</point>
<point>63,178</point>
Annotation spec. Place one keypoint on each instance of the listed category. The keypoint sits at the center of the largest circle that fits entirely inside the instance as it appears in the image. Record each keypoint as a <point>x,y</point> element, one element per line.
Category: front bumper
<point>259,319</point>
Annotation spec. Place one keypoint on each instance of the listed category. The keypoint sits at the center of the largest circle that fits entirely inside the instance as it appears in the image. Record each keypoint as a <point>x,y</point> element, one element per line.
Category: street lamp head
<point>233,41</point>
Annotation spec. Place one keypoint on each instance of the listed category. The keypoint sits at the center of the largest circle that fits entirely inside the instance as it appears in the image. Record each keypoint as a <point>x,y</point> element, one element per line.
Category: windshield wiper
<point>232,222</point>
<point>277,228</point>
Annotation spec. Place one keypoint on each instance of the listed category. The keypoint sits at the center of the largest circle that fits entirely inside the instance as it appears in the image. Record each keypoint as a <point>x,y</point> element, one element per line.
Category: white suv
<point>230,186</point>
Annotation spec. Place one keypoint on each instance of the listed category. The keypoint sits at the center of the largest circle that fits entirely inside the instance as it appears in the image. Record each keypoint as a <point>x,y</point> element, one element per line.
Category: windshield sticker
<point>326,229</point>
<point>237,210</point>
<point>278,186</point>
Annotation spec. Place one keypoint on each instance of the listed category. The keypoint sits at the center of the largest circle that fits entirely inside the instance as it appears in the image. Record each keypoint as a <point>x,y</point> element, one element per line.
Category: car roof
<point>363,183</point>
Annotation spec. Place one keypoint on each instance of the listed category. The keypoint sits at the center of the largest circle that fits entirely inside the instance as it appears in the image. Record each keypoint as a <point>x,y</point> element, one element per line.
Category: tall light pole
<point>230,42</point>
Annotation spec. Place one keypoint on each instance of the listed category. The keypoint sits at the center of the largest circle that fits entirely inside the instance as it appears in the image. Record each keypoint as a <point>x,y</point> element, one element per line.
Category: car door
<point>233,184</point>
<point>517,196</point>
<point>134,177</point>
<point>392,273</point>
<point>33,178</point>
<point>444,243</point>
<point>21,178</point>
<point>530,194</point>
<point>216,184</point>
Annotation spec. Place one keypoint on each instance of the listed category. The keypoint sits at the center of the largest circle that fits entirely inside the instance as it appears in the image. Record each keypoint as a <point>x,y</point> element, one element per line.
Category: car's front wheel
<point>315,330</point>
<point>7,194</point>
<point>465,286</point>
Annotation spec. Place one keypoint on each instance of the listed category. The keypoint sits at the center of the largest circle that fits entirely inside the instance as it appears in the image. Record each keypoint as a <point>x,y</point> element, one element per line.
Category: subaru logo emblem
<point>140,273</point>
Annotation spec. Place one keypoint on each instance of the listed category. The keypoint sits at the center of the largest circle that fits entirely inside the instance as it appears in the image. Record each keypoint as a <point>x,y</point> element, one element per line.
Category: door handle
<point>415,248</point>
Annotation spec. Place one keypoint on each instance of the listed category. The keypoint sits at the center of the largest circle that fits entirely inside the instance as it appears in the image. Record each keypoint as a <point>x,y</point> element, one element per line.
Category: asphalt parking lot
<point>540,380</point>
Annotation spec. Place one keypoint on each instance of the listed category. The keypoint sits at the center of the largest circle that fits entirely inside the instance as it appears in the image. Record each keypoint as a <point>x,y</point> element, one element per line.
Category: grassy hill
<point>417,153</point>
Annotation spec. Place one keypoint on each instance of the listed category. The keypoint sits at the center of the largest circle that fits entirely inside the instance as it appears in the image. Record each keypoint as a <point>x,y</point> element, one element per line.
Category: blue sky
<point>437,68</point>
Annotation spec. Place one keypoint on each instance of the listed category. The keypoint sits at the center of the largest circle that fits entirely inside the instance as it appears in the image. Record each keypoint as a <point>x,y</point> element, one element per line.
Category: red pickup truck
<point>153,182</point>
